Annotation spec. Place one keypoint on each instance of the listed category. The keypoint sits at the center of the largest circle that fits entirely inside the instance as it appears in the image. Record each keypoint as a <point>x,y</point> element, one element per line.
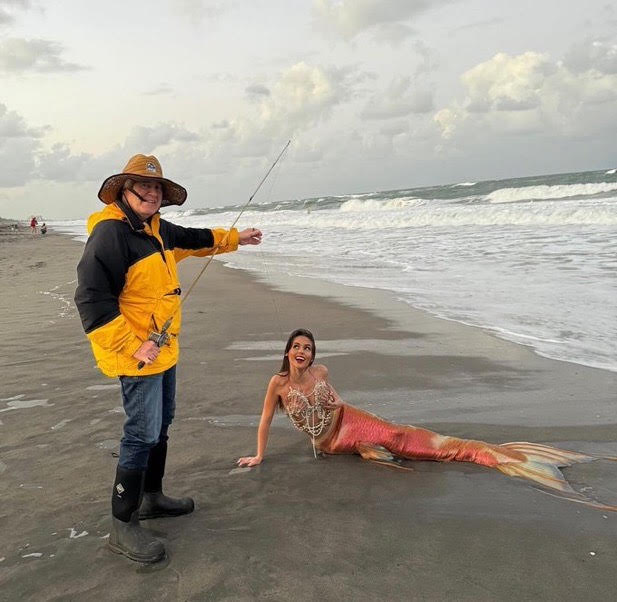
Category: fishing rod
<point>162,338</point>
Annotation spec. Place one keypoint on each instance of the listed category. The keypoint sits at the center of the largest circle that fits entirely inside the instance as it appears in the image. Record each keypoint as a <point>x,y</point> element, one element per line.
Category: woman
<point>301,389</point>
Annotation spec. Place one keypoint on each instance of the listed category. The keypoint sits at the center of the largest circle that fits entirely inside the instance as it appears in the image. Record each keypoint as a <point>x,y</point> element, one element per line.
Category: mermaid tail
<point>378,454</point>
<point>378,440</point>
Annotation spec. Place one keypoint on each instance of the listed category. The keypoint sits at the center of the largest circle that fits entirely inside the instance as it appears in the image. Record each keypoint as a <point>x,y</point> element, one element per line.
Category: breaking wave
<point>561,191</point>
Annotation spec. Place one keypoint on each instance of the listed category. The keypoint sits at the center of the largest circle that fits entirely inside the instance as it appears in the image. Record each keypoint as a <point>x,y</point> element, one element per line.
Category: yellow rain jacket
<point>128,284</point>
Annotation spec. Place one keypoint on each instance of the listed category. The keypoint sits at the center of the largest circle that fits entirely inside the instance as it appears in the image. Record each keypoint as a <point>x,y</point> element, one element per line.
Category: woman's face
<point>300,354</point>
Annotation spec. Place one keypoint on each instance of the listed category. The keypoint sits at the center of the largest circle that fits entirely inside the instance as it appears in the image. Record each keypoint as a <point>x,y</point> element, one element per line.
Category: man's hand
<point>250,236</point>
<point>147,352</point>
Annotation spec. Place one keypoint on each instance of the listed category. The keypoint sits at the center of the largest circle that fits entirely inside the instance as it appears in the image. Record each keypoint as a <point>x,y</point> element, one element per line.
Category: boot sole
<point>116,549</point>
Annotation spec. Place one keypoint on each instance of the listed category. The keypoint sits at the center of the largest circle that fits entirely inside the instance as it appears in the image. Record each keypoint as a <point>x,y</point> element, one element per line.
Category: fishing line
<point>224,241</point>
<point>162,338</point>
<point>269,281</point>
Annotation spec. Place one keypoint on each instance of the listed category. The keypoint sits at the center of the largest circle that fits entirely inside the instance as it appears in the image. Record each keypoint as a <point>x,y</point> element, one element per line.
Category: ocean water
<point>532,260</point>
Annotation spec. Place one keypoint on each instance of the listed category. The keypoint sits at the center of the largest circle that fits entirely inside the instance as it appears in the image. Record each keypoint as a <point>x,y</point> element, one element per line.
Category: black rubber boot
<point>155,503</point>
<point>126,536</point>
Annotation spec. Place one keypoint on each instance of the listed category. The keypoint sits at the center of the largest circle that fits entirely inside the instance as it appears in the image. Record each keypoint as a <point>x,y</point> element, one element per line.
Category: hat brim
<point>173,194</point>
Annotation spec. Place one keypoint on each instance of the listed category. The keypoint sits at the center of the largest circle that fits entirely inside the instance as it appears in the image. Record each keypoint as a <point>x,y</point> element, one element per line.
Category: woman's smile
<point>301,352</point>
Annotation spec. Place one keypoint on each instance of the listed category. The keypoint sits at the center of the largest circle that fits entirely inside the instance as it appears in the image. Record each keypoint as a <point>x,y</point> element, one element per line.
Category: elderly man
<point>127,289</point>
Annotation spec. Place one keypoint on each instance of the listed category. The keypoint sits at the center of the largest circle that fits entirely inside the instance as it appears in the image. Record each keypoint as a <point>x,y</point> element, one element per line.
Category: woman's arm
<point>264,425</point>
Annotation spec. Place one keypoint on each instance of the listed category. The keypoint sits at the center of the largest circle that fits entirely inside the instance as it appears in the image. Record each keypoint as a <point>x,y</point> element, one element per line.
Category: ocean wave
<point>464,184</point>
<point>611,172</point>
<point>357,204</point>
<point>542,192</point>
<point>371,215</point>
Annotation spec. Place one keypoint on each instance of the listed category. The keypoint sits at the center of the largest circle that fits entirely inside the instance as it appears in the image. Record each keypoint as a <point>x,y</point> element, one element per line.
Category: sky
<point>374,94</point>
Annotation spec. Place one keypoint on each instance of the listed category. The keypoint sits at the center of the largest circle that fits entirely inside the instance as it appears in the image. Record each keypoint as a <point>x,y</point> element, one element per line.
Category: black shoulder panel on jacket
<point>177,237</point>
<point>101,274</point>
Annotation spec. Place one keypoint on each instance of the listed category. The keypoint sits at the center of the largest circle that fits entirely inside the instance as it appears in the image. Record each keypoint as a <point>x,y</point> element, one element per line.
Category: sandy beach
<point>332,528</point>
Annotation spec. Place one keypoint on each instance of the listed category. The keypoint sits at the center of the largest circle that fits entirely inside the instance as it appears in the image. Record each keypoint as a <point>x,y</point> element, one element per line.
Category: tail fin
<point>542,467</point>
<point>548,454</point>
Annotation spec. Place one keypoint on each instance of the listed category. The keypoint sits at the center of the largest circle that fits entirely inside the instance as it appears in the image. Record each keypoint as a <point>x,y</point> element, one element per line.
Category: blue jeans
<point>149,403</point>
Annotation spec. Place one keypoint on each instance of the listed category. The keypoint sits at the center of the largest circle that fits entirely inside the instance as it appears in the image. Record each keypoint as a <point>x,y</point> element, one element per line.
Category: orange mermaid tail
<point>359,432</point>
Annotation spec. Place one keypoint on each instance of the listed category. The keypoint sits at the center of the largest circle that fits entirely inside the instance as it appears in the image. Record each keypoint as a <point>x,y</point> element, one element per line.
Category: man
<point>127,289</point>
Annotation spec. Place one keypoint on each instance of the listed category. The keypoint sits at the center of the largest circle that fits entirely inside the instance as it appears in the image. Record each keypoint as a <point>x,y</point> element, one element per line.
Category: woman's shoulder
<point>279,380</point>
<point>320,371</point>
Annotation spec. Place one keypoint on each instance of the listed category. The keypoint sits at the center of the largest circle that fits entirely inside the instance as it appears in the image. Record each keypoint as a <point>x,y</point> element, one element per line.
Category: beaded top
<point>312,418</point>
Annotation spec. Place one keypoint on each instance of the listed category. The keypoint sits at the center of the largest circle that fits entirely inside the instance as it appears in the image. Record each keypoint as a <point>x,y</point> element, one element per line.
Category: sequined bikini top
<point>312,418</point>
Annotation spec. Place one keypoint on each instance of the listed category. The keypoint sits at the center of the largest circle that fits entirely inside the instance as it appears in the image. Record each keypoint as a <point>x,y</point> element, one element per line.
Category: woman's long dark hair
<point>300,332</point>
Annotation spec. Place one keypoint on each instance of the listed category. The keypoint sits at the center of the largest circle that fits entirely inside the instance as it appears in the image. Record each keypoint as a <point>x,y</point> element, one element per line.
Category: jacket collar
<point>136,224</point>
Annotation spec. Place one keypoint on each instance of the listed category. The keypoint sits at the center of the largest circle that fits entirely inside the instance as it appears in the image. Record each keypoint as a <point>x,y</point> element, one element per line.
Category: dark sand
<point>336,528</point>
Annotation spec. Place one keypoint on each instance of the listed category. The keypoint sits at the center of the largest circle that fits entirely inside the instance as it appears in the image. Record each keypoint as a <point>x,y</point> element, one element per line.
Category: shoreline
<point>446,336</point>
<point>336,290</point>
<point>441,532</point>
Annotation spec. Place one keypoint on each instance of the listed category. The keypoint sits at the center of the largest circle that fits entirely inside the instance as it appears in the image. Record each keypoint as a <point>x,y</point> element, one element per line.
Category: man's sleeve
<point>101,275</point>
<point>200,241</point>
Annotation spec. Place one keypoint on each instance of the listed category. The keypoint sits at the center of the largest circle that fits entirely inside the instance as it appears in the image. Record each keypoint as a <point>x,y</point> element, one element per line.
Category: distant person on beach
<point>127,289</point>
<point>302,390</point>
<point>33,225</point>
<point>43,228</point>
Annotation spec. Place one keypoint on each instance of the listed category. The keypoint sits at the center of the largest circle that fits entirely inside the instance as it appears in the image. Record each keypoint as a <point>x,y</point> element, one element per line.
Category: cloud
<point>592,54</point>
<point>19,55</point>
<point>159,90</point>
<point>7,7</point>
<point>257,90</point>
<point>397,100</point>
<point>24,159</point>
<point>479,24</point>
<point>392,33</point>
<point>384,18</point>
<point>530,93</point>
<point>220,78</point>
<point>12,125</point>
<point>147,139</point>
<point>305,94</point>
<point>300,101</point>
<point>17,158</point>
<point>197,11</point>
<point>60,166</point>
<point>428,59</point>
<point>19,144</point>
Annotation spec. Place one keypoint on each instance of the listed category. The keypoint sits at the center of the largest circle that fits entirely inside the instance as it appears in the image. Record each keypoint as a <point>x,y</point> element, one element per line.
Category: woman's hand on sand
<point>250,236</point>
<point>249,461</point>
<point>147,352</point>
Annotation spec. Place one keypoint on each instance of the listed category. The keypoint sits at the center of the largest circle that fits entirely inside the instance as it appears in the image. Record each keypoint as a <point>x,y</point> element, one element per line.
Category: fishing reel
<point>159,338</point>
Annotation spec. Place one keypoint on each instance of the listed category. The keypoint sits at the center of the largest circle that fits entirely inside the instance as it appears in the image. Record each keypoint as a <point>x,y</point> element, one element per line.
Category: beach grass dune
<point>294,527</point>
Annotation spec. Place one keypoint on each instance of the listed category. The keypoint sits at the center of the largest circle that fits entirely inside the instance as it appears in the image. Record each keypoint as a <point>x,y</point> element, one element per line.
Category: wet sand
<point>336,528</point>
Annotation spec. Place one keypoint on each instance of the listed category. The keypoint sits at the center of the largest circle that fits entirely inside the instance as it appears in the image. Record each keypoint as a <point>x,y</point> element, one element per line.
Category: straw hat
<point>140,168</point>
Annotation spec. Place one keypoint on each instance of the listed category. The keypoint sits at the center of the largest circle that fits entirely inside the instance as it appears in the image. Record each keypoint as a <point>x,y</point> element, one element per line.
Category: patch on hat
<point>151,167</point>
